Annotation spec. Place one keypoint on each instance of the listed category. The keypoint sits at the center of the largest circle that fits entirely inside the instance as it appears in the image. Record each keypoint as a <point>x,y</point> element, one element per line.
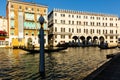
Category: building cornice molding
<point>84,13</point>
<point>28,3</point>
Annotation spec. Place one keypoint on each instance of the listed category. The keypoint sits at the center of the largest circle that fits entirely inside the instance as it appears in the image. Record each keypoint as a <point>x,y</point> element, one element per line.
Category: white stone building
<point>3,23</point>
<point>86,26</point>
<point>3,32</point>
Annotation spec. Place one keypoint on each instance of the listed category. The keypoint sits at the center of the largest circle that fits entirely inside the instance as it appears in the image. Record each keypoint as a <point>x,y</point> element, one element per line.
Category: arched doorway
<point>89,39</point>
<point>29,43</point>
<point>101,38</point>
<point>75,38</point>
<point>95,40</point>
<point>83,40</point>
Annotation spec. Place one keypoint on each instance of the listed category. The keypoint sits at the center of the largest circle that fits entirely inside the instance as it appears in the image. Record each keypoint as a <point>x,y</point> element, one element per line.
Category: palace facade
<point>23,24</point>
<point>86,27</point>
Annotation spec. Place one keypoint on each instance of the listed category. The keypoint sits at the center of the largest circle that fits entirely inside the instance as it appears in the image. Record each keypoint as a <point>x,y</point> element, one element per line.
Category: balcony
<point>46,29</point>
<point>111,34</point>
<point>62,33</point>
<point>30,20</point>
<point>3,35</point>
<point>12,18</point>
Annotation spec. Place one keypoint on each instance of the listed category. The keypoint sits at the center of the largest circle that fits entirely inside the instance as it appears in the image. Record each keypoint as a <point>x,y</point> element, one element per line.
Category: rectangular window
<point>69,16</point>
<point>31,25</point>
<point>116,31</point>
<point>55,36</point>
<point>12,15</point>
<point>72,30</point>
<point>55,14</point>
<point>38,17</point>
<point>61,21</point>
<point>69,36</point>
<point>103,32</point>
<point>106,31</point>
<point>12,23</point>
<point>79,30</point>
<point>55,29</point>
<point>69,22</point>
<point>38,10</point>
<point>45,26</point>
<point>69,29</point>
<point>12,32</point>
<point>91,31</point>
<point>29,16</point>
<point>62,29</point>
<point>63,36</point>
<point>86,31</point>
<point>72,22</point>
<point>79,22</point>
<point>106,37</point>
<point>38,25</point>
<point>55,21</point>
<point>99,31</point>
<point>105,24</point>
<point>20,7</point>
<point>111,37</point>
<point>12,6</point>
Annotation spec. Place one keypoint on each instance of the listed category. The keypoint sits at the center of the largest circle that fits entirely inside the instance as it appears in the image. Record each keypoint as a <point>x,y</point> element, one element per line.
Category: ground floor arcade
<point>83,39</point>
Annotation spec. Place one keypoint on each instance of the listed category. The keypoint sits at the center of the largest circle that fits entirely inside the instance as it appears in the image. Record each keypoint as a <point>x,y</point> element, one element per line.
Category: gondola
<point>49,50</point>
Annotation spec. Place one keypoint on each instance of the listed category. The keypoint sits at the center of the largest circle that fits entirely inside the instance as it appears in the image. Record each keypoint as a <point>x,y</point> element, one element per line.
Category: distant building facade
<point>3,32</point>
<point>3,23</point>
<point>23,24</point>
<point>88,27</point>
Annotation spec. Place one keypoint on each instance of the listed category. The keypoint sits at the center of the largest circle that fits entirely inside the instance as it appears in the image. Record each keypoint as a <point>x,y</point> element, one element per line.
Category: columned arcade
<point>88,40</point>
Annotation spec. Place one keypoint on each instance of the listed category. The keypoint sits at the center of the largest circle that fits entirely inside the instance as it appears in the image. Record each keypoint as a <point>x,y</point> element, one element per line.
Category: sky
<point>97,6</point>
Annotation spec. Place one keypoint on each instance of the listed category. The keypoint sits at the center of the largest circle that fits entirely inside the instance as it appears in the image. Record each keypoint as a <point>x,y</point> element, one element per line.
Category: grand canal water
<point>73,64</point>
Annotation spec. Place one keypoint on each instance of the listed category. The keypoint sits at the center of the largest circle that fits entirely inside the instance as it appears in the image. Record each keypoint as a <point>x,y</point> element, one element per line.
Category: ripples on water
<point>74,64</point>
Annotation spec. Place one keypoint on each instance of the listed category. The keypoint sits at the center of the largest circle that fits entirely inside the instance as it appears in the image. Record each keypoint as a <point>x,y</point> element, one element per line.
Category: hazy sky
<point>98,6</point>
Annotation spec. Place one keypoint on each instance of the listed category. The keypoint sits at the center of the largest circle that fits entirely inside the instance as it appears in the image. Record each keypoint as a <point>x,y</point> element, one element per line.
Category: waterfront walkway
<point>109,71</point>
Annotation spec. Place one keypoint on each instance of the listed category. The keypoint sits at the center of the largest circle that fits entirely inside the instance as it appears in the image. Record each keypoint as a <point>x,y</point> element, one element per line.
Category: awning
<point>2,38</point>
<point>3,32</point>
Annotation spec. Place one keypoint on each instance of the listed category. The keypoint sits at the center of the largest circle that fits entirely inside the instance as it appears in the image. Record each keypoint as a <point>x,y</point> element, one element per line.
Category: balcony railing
<point>111,34</point>
<point>62,33</point>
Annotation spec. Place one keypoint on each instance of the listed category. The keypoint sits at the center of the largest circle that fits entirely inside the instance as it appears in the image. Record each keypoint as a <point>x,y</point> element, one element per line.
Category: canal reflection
<point>73,64</point>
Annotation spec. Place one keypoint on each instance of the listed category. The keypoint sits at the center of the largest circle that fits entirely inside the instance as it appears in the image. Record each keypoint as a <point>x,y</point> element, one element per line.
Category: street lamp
<point>42,56</point>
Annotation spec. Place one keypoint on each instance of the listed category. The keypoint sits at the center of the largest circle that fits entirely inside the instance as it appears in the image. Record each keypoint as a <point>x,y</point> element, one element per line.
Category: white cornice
<point>83,12</point>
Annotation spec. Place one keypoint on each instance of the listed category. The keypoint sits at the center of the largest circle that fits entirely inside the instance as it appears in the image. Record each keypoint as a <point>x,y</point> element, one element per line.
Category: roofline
<point>27,3</point>
<point>2,17</point>
<point>84,12</point>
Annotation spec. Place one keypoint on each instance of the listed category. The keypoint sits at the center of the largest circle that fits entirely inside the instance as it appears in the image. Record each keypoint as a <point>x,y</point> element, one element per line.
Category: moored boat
<point>118,45</point>
<point>107,45</point>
